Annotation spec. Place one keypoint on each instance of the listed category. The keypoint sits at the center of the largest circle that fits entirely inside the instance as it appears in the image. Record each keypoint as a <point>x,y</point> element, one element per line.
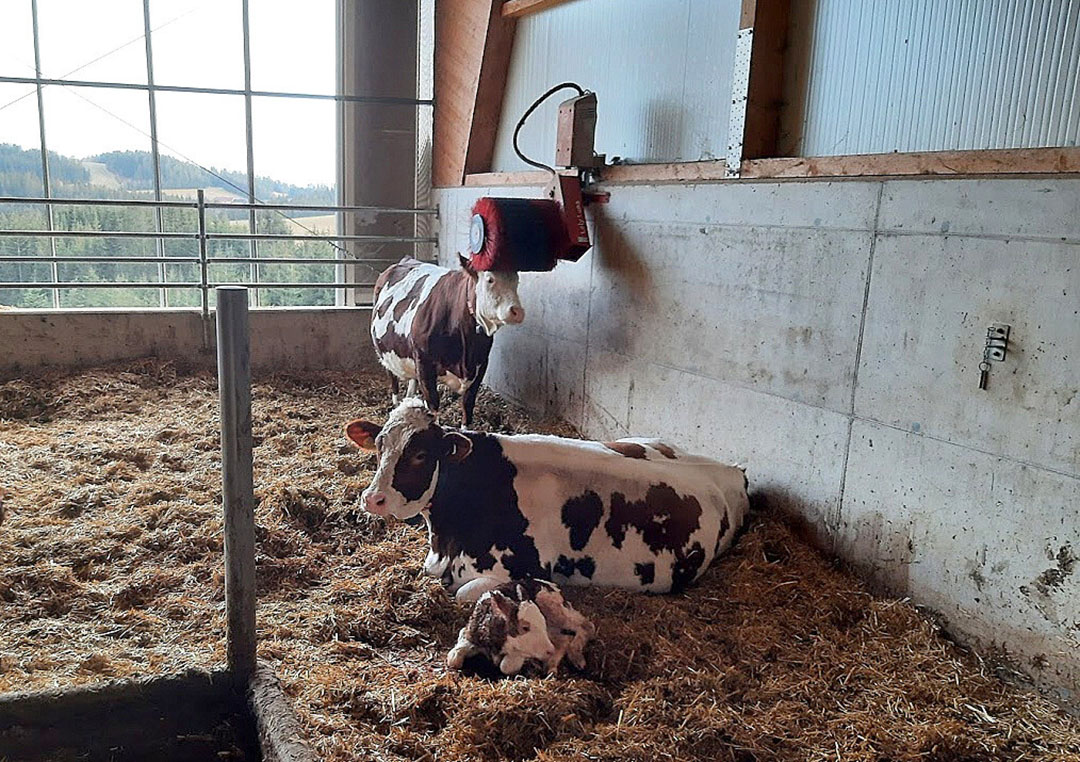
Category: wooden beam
<point>472,58</point>
<point>746,14</point>
<point>1009,161</point>
<point>499,179</point>
<point>490,90</point>
<point>280,736</point>
<point>517,8</point>
<point>1005,161</point>
<point>680,172</point>
<point>764,99</point>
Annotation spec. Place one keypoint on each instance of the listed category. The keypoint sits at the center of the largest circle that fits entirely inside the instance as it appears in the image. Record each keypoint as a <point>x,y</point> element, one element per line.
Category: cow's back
<point>401,293</point>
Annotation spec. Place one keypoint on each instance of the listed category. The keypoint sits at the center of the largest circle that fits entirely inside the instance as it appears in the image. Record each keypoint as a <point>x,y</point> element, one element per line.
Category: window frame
<point>152,88</point>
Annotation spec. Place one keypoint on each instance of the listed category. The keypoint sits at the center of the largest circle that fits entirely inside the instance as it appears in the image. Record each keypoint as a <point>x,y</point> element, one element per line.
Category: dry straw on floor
<point>110,566</point>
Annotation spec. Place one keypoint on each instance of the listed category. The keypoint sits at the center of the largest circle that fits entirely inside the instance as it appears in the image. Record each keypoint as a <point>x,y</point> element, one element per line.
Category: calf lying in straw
<point>521,620</point>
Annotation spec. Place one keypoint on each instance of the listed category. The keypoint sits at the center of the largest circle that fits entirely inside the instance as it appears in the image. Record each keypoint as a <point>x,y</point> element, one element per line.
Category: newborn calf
<point>520,620</point>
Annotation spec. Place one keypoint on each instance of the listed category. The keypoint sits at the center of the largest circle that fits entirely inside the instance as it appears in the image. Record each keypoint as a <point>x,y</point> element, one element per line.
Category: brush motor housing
<point>576,133</point>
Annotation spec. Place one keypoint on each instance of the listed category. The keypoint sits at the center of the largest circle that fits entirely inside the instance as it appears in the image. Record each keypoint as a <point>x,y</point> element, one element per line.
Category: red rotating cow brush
<point>533,234</point>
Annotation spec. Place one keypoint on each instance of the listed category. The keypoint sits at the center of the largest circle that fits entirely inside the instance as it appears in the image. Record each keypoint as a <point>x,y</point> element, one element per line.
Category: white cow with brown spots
<point>523,620</point>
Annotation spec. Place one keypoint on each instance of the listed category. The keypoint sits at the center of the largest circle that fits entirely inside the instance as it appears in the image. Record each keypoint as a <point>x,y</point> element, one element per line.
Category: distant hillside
<point>20,171</point>
<point>110,174</point>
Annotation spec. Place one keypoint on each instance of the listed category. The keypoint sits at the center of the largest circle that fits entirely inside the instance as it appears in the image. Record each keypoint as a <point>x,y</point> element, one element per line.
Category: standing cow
<point>635,513</point>
<point>432,324</point>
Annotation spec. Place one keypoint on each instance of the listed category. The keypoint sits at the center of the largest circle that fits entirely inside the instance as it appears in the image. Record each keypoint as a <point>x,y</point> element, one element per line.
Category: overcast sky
<point>195,43</point>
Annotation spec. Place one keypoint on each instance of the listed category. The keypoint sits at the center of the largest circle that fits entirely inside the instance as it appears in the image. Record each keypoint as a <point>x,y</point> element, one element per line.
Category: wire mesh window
<point>152,100</point>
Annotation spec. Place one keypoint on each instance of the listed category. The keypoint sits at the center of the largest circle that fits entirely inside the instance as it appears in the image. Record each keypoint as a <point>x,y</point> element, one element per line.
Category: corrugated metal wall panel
<point>931,75</point>
<point>661,70</point>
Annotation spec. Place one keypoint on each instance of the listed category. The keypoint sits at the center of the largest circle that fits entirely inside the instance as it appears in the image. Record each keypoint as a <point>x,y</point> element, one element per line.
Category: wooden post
<point>238,499</point>
<point>769,21</point>
<point>473,43</point>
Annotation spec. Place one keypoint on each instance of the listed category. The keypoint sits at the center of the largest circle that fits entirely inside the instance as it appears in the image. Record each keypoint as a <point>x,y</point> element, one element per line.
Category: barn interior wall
<point>828,336</point>
<point>296,338</point>
<point>657,72</point>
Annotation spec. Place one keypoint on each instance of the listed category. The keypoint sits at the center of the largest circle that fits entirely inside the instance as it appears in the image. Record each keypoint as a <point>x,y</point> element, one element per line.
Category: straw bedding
<point>110,566</point>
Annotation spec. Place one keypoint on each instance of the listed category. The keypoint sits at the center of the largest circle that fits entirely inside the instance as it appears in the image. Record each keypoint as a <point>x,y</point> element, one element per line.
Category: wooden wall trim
<point>473,43</point>
<point>1005,161</point>
<point>1000,162</point>
<point>518,8</point>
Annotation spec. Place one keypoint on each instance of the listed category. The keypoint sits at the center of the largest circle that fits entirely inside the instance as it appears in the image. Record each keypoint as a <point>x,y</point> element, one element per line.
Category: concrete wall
<point>285,338</point>
<point>828,335</point>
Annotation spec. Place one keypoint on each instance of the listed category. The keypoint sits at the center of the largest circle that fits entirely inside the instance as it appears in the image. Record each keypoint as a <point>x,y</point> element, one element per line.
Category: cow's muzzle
<point>375,502</point>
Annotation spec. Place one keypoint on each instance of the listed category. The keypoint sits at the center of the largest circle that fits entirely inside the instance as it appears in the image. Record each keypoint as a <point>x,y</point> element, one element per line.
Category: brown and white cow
<point>432,324</point>
<point>635,513</point>
<point>522,620</point>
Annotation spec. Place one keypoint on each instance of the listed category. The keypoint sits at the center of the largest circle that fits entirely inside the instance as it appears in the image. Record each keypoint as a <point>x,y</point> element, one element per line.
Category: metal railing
<point>204,237</point>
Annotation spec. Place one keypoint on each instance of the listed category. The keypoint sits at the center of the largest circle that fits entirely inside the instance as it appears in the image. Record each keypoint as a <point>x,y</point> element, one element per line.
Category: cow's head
<point>510,632</point>
<point>411,448</point>
<point>497,300</point>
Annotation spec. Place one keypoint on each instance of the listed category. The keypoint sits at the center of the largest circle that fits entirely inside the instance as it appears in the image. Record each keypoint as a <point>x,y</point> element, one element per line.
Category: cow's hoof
<point>456,658</point>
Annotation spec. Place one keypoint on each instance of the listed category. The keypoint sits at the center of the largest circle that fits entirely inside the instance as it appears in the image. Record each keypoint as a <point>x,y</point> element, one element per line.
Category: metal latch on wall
<point>997,344</point>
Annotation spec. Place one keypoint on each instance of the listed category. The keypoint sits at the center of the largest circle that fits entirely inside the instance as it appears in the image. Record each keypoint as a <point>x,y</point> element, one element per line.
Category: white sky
<point>196,43</point>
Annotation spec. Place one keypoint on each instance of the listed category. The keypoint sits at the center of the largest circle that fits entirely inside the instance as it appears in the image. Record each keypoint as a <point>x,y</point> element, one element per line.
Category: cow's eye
<point>525,627</point>
<point>419,457</point>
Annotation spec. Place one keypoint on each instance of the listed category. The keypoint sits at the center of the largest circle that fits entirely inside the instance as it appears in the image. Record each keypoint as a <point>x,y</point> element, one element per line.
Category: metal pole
<point>253,246</point>
<point>45,182</point>
<point>62,82</point>
<point>155,156</point>
<point>211,204</point>
<point>341,273</point>
<point>200,199</point>
<point>237,494</point>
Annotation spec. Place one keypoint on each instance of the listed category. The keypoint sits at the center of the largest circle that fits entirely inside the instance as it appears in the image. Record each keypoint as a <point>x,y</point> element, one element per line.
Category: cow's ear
<point>466,264</point>
<point>363,433</point>
<point>458,446</point>
<point>502,604</point>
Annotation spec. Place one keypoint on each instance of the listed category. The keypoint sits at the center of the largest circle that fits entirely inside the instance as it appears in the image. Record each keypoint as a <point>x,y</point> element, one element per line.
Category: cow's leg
<point>462,650</point>
<point>562,643</point>
<point>511,664</point>
<point>429,384</point>
<point>468,399</point>
<point>576,648</point>
<point>468,402</point>
<point>471,591</point>
<point>395,386</point>
<point>412,389</point>
<point>567,628</point>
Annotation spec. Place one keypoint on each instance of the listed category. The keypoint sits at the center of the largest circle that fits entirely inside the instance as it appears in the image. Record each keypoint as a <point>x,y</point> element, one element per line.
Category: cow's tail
<point>757,500</point>
<point>745,478</point>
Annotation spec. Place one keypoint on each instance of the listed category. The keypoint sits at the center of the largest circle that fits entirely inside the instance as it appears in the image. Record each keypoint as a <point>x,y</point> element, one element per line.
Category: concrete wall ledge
<point>296,338</point>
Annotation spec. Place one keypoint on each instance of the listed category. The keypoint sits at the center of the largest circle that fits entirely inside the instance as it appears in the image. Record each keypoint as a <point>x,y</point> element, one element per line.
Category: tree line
<point>20,175</point>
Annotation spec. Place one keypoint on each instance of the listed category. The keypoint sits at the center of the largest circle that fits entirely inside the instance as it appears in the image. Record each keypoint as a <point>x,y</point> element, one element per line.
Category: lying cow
<point>431,324</point>
<point>518,621</point>
<point>636,514</point>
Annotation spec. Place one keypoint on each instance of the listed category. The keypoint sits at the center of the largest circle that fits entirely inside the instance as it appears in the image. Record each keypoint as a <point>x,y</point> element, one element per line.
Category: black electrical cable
<point>528,113</point>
